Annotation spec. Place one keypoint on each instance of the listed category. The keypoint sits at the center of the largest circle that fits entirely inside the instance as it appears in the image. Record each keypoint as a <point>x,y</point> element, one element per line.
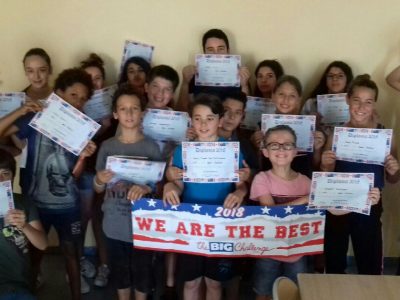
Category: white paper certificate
<point>210,162</point>
<point>333,109</point>
<point>303,126</point>
<point>132,48</point>
<point>255,107</point>
<point>100,105</point>
<point>134,170</point>
<point>166,125</point>
<point>344,191</point>
<point>6,197</point>
<point>10,102</point>
<point>217,70</point>
<point>362,145</point>
<point>65,125</point>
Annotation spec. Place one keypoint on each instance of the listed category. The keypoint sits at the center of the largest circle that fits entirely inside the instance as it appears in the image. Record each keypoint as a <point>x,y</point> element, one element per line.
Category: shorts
<point>85,185</point>
<point>267,270</point>
<point>67,225</point>
<point>131,267</point>
<point>219,269</point>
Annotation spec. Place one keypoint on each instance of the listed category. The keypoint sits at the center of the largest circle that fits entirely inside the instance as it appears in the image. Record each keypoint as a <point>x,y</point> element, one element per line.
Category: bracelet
<point>98,185</point>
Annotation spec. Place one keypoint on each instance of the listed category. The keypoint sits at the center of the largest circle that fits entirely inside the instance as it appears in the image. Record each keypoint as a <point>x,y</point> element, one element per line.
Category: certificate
<point>166,125</point>
<point>217,70</point>
<point>210,162</point>
<point>255,107</point>
<point>65,125</point>
<point>100,105</point>
<point>303,126</point>
<point>10,102</point>
<point>333,108</point>
<point>132,48</point>
<point>362,145</point>
<point>134,170</point>
<point>6,197</point>
<point>344,191</point>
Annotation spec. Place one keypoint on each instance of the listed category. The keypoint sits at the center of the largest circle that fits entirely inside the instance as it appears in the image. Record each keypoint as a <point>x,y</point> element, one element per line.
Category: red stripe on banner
<point>308,243</point>
<point>138,237</point>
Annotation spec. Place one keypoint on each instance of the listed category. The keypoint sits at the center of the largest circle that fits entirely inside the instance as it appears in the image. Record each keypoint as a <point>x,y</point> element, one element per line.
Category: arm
<point>80,164</point>
<point>184,96</point>
<point>235,199</point>
<point>101,179</point>
<point>393,79</point>
<point>392,168</point>
<point>244,75</point>
<point>319,142</point>
<point>328,158</point>
<point>172,192</point>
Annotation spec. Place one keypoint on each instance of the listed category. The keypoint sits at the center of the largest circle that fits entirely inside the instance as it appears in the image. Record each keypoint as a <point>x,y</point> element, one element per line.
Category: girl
<point>365,231</point>
<point>135,72</point>
<point>267,73</point>
<point>206,115</point>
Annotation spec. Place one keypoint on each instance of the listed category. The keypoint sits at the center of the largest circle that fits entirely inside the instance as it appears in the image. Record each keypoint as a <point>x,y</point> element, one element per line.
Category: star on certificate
<point>265,210</point>
<point>288,209</point>
<point>196,207</point>
<point>174,207</point>
<point>151,203</point>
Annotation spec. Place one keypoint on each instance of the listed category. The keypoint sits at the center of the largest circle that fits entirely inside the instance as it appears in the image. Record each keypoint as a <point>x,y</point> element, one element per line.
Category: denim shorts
<point>266,270</point>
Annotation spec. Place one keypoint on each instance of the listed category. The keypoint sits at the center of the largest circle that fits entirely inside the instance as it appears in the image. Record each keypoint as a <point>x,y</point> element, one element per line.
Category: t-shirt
<point>213,90</point>
<point>282,191</point>
<point>117,222</point>
<point>204,193</point>
<point>15,266</point>
<point>48,179</point>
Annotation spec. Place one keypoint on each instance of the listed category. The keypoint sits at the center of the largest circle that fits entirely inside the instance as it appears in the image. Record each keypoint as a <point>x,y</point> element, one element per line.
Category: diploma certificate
<point>6,197</point>
<point>210,162</point>
<point>217,70</point>
<point>134,170</point>
<point>255,107</point>
<point>166,125</point>
<point>362,145</point>
<point>303,126</point>
<point>100,105</point>
<point>344,191</point>
<point>65,125</point>
<point>333,109</point>
<point>10,102</point>
<point>132,48</point>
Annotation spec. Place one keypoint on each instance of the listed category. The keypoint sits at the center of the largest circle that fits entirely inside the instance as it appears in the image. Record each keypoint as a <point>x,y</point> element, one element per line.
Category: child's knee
<point>193,284</point>
<point>212,284</point>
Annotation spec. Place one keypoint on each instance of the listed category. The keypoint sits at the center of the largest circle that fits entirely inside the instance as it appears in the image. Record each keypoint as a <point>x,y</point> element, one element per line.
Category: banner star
<point>196,207</point>
<point>288,209</point>
<point>265,210</point>
<point>174,207</point>
<point>151,203</point>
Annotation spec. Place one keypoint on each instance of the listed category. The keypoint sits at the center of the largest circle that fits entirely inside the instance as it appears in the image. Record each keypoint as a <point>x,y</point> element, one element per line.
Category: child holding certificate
<point>128,109</point>
<point>267,73</point>
<point>50,175</point>
<point>19,228</point>
<point>365,231</point>
<point>135,73</point>
<point>206,114</point>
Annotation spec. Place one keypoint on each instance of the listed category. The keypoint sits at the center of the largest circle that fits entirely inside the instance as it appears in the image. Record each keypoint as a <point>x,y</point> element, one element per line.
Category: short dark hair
<point>215,33</point>
<point>279,128</point>
<point>209,100</point>
<point>291,80</point>
<point>165,72</point>
<point>93,60</point>
<point>274,65</point>
<point>39,52</point>
<point>7,161</point>
<point>127,89</point>
<point>141,62</point>
<point>69,77</point>
<point>363,80</point>
<point>238,96</point>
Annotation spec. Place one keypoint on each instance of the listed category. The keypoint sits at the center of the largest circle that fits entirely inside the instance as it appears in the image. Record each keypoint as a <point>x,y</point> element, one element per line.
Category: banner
<point>211,230</point>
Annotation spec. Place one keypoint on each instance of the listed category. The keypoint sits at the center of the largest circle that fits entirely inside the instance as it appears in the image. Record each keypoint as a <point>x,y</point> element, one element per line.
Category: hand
<point>88,150</point>
<point>391,165</point>
<point>374,195</point>
<point>138,191</point>
<point>328,160</point>
<point>233,201</point>
<point>174,173</point>
<point>244,173</point>
<point>188,73</point>
<point>16,218</point>
<point>104,176</point>
<point>105,122</point>
<point>244,75</point>
<point>30,106</point>
<point>256,138</point>
<point>191,134</point>
<point>170,194</point>
<point>319,140</point>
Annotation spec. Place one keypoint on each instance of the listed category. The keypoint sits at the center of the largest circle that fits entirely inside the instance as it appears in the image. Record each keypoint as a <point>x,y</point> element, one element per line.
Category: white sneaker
<point>85,287</point>
<point>101,279</point>
<point>87,268</point>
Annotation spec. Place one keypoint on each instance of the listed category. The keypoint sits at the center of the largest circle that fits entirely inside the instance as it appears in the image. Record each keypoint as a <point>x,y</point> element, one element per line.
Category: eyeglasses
<point>278,146</point>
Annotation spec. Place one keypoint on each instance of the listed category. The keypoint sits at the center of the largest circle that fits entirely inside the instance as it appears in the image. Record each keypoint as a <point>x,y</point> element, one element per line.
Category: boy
<point>214,41</point>
<point>128,109</point>
<point>19,227</point>
<point>49,180</point>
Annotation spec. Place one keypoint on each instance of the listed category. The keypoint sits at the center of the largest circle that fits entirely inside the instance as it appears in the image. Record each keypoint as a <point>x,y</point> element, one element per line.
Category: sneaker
<point>85,287</point>
<point>101,279</point>
<point>87,268</point>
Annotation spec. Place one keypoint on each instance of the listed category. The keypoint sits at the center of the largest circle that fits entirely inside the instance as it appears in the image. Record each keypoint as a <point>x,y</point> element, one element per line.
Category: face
<point>5,174</point>
<point>215,46</point>
<point>205,123</point>
<point>361,105</point>
<point>286,99</point>
<point>233,115</point>
<point>266,80</point>
<point>128,111</point>
<point>283,140</point>
<point>136,75</point>
<point>37,71</point>
<point>76,95</point>
<point>160,92</point>
<point>97,77</point>
<point>336,80</point>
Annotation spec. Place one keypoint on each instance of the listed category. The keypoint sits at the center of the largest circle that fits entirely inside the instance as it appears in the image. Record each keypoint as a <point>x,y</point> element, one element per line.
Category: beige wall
<point>304,35</point>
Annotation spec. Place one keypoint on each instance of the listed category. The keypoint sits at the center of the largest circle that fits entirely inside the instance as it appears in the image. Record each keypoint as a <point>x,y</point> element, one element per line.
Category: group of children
<point>64,191</point>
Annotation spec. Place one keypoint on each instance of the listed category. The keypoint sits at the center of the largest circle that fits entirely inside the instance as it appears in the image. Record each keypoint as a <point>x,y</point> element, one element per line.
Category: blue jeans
<point>17,296</point>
